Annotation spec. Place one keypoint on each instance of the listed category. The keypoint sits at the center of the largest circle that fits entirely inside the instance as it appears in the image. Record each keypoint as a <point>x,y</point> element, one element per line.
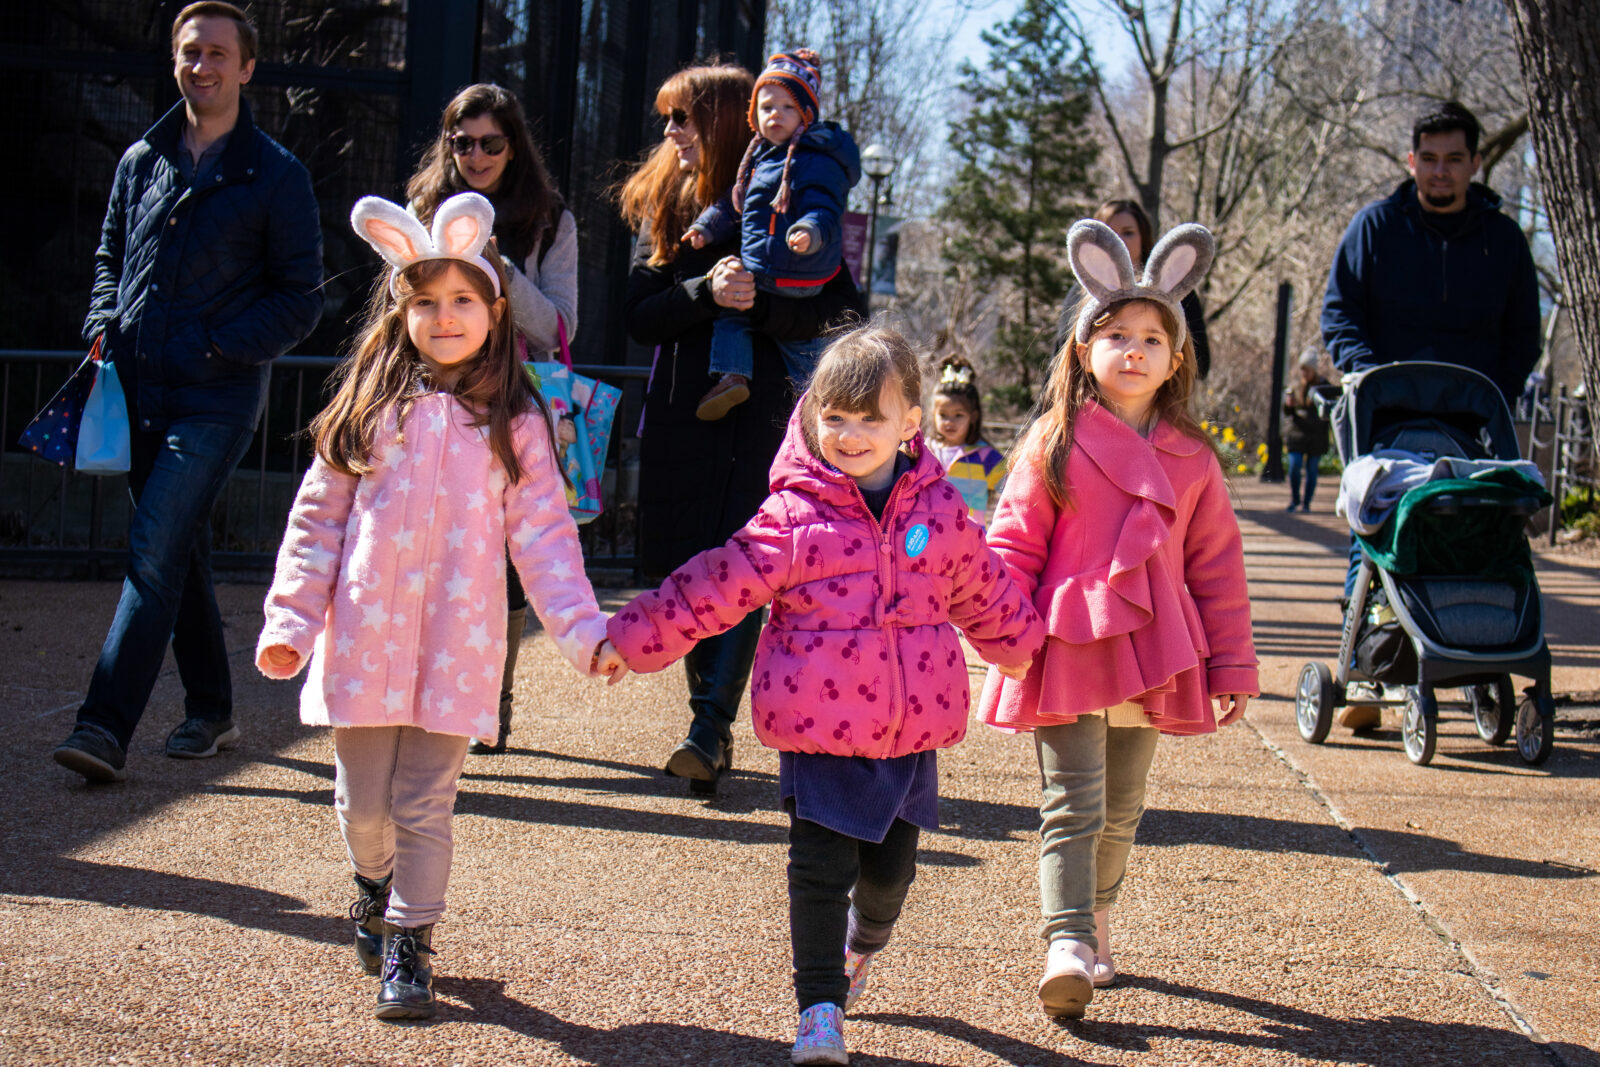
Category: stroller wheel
<point>1313,702</point>
<point>1419,725</point>
<point>1493,709</point>
<point>1536,727</point>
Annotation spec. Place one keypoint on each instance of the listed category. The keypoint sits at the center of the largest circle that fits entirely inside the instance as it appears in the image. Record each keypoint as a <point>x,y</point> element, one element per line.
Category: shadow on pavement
<point>1307,1034</point>
<point>136,887</point>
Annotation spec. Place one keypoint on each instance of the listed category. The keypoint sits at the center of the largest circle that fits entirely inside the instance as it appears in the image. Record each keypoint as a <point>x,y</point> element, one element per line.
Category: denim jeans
<point>842,890</point>
<point>175,476</point>
<point>1299,461</point>
<point>718,669</point>
<point>733,351</point>
<point>1091,778</point>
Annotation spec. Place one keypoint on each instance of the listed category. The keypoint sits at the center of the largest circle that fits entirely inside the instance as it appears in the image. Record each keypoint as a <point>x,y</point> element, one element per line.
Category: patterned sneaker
<point>821,1038</point>
<point>856,966</point>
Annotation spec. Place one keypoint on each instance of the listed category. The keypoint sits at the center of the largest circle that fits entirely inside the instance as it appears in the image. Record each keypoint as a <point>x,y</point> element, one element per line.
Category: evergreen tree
<point>1025,152</point>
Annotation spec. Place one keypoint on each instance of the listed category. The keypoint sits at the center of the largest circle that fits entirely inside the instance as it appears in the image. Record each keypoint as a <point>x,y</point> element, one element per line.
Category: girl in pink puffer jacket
<point>868,555</point>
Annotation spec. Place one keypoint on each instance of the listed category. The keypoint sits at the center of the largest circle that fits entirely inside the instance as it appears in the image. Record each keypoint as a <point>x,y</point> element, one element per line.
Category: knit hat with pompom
<point>798,73</point>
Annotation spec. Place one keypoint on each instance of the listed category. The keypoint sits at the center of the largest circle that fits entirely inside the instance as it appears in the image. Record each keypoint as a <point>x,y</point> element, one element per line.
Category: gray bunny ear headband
<point>1100,260</point>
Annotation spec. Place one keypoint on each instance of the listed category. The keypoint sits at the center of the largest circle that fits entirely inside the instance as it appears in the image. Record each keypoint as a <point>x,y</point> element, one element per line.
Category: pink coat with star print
<point>393,583</point>
<point>859,657</point>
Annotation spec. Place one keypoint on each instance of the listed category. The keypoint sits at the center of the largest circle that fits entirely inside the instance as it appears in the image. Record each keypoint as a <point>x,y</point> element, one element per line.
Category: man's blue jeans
<point>175,476</point>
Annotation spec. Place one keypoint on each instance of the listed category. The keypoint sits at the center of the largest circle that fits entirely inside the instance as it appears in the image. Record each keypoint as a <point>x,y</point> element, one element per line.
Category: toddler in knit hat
<point>785,208</point>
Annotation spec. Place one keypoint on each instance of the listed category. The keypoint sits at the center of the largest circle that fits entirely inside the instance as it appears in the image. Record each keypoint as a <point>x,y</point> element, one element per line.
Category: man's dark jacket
<point>1400,290</point>
<point>198,289</point>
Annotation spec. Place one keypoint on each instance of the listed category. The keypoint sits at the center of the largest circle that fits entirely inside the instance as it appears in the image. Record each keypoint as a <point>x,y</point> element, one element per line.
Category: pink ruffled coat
<point>1140,580</point>
<point>393,583</point>
<point>859,657</point>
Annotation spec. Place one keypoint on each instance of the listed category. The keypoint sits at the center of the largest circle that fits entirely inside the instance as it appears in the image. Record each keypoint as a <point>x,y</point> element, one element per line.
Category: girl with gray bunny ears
<point>1116,520</point>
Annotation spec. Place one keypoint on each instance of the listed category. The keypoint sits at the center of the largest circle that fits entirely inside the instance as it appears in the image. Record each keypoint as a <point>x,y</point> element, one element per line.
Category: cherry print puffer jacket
<point>859,657</point>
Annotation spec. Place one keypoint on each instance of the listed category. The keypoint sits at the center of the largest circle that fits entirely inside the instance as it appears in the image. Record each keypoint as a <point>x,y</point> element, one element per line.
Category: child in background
<point>1117,521</point>
<point>391,581</point>
<point>868,556</point>
<point>785,207</point>
<point>973,466</point>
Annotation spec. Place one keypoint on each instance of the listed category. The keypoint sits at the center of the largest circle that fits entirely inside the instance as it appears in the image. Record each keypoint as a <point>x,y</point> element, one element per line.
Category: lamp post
<point>878,164</point>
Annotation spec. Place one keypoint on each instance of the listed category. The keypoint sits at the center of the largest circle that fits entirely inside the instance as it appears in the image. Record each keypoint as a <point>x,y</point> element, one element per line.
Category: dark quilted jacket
<point>197,290</point>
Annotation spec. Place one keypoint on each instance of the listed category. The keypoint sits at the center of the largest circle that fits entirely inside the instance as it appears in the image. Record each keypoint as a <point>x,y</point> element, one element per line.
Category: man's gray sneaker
<point>200,738</point>
<point>93,753</point>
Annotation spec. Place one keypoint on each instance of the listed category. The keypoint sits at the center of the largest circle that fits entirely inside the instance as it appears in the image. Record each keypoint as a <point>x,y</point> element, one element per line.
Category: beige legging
<point>1092,779</point>
<point>395,791</point>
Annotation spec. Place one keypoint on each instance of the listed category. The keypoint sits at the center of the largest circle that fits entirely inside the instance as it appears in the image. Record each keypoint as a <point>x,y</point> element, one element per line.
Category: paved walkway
<point>1288,904</point>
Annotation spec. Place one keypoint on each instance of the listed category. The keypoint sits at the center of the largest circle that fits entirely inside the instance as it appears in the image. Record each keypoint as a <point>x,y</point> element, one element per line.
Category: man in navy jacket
<point>1435,271</point>
<point>209,267</point>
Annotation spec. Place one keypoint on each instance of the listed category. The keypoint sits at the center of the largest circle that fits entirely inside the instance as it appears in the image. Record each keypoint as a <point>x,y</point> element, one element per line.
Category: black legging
<point>516,599</point>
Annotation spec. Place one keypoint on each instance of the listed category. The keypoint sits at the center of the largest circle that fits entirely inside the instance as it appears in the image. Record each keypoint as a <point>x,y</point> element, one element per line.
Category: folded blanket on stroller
<point>1372,485</point>
<point>1486,540</point>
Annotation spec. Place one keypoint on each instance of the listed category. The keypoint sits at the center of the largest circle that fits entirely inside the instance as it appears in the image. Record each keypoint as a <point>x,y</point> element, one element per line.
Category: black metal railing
<point>55,522</point>
<point>1572,448</point>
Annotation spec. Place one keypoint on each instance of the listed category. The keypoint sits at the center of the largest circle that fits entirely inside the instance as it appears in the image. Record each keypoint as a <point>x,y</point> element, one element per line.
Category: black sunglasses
<point>492,144</point>
<point>678,115</point>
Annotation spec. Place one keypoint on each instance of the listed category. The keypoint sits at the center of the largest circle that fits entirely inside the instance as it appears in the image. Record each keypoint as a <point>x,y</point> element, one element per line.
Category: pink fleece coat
<point>859,657</point>
<point>393,583</point>
<point>1140,580</point>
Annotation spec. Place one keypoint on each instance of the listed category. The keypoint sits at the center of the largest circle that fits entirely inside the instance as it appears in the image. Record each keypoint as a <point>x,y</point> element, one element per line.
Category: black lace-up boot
<point>367,911</point>
<point>407,990</point>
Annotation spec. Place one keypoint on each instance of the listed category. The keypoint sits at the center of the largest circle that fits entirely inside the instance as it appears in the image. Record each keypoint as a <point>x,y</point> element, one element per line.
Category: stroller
<point>1464,610</point>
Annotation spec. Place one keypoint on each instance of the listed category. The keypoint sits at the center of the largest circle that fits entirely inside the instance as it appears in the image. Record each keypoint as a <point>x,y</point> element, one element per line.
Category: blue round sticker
<point>916,540</point>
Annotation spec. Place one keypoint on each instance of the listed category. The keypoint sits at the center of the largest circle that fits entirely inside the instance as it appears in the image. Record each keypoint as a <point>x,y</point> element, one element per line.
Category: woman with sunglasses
<point>701,481</point>
<point>484,146</point>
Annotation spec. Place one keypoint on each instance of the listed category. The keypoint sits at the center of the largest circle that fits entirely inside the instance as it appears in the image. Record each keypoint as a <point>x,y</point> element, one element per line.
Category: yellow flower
<point>1261,450</point>
<point>1229,436</point>
<point>1242,468</point>
<point>1236,409</point>
<point>1204,425</point>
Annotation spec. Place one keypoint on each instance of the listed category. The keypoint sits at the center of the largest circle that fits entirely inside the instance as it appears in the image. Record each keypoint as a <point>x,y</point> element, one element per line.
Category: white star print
<point>393,455</point>
<point>560,569</point>
<point>426,698</point>
<point>459,587</point>
<point>463,683</point>
<point>317,559</point>
<point>403,539</point>
<point>446,706</point>
<point>353,687</point>
<point>478,637</point>
<point>374,616</point>
<point>524,536</point>
<point>436,422</point>
<point>415,582</point>
<point>455,448</point>
<point>389,649</point>
<point>490,672</point>
<point>476,500</point>
<point>394,701</point>
<point>403,485</point>
<point>464,613</point>
<point>399,619</point>
<point>480,546</point>
<point>454,538</point>
<point>344,645</point>
<point>433,609</point>
<point>442,661</point>
<point>487,725</point>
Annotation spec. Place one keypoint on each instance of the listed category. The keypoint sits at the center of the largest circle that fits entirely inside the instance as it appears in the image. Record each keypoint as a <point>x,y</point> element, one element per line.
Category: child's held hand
<point>695,238</point>
<point>800,241</point>
<point>609,662</point>
<point>1232,706</point>
<point>1016,673</point>
<point>281,657</point>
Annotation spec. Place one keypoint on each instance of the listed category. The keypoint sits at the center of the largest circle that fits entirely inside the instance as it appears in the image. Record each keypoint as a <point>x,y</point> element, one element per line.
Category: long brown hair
<point>385,370</point>
<point>851,375</point>
<point>527,205</point>
<point>657,194</point>
<point>1110,209</point>
<point>1071,385</point>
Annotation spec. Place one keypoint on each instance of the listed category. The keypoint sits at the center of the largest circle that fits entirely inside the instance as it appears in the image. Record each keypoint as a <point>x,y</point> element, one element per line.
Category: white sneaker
<point>821,1036</point>
<point>1067,985</point>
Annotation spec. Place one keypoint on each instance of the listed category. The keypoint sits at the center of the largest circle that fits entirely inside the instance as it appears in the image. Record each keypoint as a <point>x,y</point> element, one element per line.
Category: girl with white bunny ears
<point>390,581</point>
<point>1116,518</point>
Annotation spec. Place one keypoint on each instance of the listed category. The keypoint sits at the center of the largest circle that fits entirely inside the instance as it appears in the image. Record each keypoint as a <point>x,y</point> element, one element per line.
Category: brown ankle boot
<point>515,621</point>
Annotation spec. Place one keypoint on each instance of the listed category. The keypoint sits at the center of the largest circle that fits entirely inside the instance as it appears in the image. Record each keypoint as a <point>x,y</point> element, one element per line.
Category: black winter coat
<point>699,482</point>
<point>197,290</point>
<point>1400,289</point>
<point>1307,432</point>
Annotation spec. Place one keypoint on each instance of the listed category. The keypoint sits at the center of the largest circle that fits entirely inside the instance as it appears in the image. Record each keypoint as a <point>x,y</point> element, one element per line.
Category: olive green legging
<point>1091,779</point>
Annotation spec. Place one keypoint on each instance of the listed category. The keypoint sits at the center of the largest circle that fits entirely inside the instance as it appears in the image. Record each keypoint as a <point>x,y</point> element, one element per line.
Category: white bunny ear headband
<point>462,226</point>
<point>1100,260</point>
